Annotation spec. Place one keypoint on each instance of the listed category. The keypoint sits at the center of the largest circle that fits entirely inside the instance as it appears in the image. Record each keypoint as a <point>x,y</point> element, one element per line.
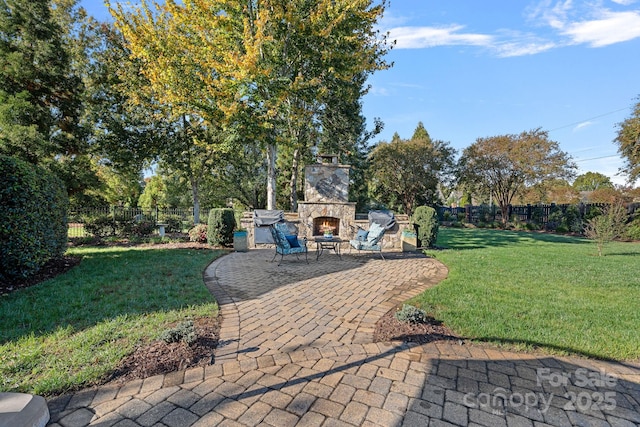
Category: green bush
<point>537,215</point>
<point>183,331</point>
<point>33,218</point>
<point>198,233</point>
<point>101,226</point>
<point>427,220</point>
<point>572,219</point>
<point>139,228</point>
<point>633,229</point>
<point>486,213</point>
<point>556,218</point>
<point>411,314</point>
<point>531,226</point>
<point>220,227</point>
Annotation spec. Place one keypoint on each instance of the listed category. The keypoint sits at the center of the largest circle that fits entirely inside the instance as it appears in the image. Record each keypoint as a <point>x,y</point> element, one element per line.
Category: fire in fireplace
<point>324,224</point>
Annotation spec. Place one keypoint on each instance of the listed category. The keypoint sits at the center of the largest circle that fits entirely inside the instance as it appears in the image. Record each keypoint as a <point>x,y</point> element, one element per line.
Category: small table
<point>329,243</point>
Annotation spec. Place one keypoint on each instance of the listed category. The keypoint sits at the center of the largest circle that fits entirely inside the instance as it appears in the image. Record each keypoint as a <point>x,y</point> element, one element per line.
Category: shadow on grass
<point>475,238</point>
<point>109,283</point>
<point>621,254</point>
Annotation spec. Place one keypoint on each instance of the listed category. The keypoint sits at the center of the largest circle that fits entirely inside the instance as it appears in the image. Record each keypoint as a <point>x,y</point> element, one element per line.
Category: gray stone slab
<point>23,410</point>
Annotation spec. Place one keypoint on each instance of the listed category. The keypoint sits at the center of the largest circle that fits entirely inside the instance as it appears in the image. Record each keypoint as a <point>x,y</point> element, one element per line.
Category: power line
<point>591,118</point>
<point>597,158</point>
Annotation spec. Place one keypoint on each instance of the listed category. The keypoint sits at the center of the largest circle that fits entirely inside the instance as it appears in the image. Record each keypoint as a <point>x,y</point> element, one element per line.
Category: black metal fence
<point>539,214</point>
<point>79,217</point>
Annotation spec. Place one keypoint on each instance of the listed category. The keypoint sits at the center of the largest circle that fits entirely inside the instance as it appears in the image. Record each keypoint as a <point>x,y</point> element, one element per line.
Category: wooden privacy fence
<point>525,213</point>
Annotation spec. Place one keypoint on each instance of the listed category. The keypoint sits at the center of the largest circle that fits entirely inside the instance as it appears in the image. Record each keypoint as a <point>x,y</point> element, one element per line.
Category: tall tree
<point>125,134</point>
<point>590,181</point>
<point>135,127</point>
<point>344,132</point>
<point>246,62</point>
<point>40,102</point>
<point>628,141</point>
<point>505,165</point>
<point>243,177</point>
<point>407,173</point>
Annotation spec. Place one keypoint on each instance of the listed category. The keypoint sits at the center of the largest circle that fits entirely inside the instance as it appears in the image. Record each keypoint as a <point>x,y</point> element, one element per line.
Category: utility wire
<point>591,118</point>
<point>597,158</point>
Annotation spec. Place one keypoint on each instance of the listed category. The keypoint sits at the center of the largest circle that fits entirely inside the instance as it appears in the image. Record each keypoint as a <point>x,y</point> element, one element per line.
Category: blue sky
<point>470,69</point>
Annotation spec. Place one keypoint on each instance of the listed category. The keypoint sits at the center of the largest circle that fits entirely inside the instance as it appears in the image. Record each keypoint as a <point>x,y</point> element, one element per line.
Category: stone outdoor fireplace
<point>326,200</point>
<point>326,206</point>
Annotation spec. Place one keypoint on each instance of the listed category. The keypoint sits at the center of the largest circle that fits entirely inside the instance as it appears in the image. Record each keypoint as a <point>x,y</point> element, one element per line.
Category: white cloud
<point>624,2</point>
<point>572,23</point>
<point>423,37</point>
<point>612,27</point>
<point>583,125</point>
<point>517,44</point>
<point>520,48</point>
<point>379,91</point>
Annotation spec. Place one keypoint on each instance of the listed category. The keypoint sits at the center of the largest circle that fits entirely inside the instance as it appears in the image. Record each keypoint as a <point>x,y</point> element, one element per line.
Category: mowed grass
<point>539,291</point>
<point>72,331</point>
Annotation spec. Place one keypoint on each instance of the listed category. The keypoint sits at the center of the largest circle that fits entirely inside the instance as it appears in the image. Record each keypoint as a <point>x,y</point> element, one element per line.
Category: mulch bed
<point>160,357</point>
<point>388,328</point>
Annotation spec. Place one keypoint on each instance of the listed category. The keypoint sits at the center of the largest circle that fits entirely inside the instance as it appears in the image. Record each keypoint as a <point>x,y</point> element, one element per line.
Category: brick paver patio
<point>297,350</point>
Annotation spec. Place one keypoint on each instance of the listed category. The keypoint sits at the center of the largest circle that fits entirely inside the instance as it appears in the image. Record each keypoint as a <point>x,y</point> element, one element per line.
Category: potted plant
<point>409,240</point>
<point>240,240</point>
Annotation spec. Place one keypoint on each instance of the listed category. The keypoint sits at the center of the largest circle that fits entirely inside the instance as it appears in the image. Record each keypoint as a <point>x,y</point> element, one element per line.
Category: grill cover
<point>262,219</point>
<point>384,218</point>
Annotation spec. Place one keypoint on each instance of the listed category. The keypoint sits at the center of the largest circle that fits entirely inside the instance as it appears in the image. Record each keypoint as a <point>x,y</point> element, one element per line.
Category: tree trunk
<point>271,176</point>
<point>196,201</point>
<point>293,185</point>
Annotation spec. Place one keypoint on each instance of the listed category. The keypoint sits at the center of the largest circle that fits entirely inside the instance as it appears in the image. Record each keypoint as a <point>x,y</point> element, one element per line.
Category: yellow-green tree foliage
<point>245,62</point>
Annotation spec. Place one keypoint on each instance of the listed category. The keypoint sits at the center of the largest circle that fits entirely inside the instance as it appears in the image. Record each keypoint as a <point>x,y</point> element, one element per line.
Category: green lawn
<point>72,331</point>
<point>534,290</point>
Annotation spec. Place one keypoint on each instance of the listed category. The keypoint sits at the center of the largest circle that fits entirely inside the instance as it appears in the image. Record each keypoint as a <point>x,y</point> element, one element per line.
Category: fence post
<point>467,211</point>
<point>529,212</point>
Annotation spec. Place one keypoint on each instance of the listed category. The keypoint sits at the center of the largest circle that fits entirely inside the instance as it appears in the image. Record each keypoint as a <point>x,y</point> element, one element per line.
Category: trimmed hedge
<point>427,220</point>
<point>220,227</point>
<point>33,218</point>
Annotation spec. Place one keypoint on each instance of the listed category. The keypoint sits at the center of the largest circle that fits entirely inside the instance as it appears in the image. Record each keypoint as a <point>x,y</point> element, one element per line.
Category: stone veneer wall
<point>326,182</point>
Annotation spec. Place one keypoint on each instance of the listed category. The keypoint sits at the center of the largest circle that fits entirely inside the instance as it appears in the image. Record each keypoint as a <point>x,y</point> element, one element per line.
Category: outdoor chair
<point>287,244</point>
<point>370,240</point>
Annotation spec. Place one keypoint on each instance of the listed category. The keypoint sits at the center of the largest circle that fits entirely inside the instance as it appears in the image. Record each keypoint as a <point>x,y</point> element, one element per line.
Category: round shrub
<point>220,227</point>
<point>198,233</point>
<point>427,220</point>
<point>33,218</point>
<point>101,226</point>
<point>411,314</point>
